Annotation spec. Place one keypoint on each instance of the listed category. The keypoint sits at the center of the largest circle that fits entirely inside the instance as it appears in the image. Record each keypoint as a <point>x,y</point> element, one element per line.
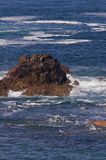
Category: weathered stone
<point>76,83</point>
<point>65,69</point>
<point>23,59</point>
<point>39,74</point>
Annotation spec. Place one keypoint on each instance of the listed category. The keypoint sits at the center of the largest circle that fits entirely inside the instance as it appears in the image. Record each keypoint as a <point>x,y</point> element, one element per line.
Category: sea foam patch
<point>72,41</point>
<point>40,35</point>
<point>55,22</point>
<point>6,42</point>
<point>31,40</point>
<point>2,74</point>
<point>97,27</point>
<point>15,93</point>
<point>16,18</point>
<point>9,31</point>
<point>90,86</point>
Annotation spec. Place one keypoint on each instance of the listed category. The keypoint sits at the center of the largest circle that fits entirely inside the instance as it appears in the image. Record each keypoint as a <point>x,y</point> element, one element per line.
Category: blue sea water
<point>48,128</point>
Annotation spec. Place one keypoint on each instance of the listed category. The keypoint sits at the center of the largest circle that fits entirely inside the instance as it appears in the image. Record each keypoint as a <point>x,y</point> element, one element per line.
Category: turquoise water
<point>48,128</point>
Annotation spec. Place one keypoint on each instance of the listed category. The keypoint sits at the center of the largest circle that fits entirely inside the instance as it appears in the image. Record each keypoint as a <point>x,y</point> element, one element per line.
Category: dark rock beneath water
<point>39,74</point>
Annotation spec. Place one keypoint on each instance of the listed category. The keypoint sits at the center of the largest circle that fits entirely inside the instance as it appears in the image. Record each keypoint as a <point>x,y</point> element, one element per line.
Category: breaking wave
<point>15,93</point>
<point>17,18</point>
<point>72,41</point>
<point>31,40</point>
<point>90,86</point>
<point>2,74</point>
<point>97,27</point>
<point>55,22</point>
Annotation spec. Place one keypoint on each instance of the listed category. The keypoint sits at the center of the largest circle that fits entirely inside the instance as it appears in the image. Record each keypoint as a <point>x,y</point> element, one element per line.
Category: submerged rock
<point>39,74</point>
<point>98,123</point>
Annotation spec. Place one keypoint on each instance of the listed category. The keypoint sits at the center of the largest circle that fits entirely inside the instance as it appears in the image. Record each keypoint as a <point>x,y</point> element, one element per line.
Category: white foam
<point>37,36</point>
<point>85,100</point>
<point>8,31</point>
<point>16,18</point>
<point>92,127</point>
<point>57,120</point>
<point>71,41</point>
<point>2,74</point>
<point>100,29</point>
<point>15,93</point>
<point>90,85</point>
<point>5,42</point>
<point>32,104</point>
<point>55,22</point>
<point>93,24</point>
<point>42,37</point>
<point>10,103</point>
<point>45,100</point>
<point>71,78</point>
<point>31,40</point>
<point>42,34</point>
<point>97,27</point>
<point>102,104</point>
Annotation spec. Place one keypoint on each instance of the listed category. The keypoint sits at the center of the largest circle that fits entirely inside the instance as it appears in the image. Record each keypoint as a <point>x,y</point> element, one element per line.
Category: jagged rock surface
<point>38,75</point>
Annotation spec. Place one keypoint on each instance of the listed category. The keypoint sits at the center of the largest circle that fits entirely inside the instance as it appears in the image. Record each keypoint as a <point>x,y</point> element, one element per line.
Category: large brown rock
<point>39,74</point>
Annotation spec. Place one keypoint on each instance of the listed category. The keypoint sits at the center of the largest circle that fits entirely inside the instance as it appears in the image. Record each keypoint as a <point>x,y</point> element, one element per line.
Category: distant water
<point>48,128</point>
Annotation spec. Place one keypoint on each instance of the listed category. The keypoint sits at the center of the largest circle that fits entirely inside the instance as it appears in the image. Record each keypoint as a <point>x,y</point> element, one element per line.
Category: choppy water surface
<point>41,127</point>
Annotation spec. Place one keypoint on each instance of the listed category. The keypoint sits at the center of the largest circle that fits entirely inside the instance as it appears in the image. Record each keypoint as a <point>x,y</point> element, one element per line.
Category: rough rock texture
<point>37,75</point>
<point>98,123</point>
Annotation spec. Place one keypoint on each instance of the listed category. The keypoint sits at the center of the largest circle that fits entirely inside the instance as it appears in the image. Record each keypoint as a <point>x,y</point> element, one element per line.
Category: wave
<point>31,40</point>
<point>9,31</point>
<point>58,120</point>
<point>54,22</point>
<point>5,42</point>
<point>90,86</point>
<point>15,93</point>
<point>2,74</point>
<point>17,18</point>
<point>41,34</point>
<point>100,29</point>
<point>95,24</point>
<point>37,36</point>
<point>42,38</point>
<point>72,41</point>
<point>97,27</point>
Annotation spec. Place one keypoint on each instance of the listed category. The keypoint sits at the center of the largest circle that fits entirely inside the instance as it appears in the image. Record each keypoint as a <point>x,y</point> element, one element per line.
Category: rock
<point>98,123</point>
<point>39,74</point>
<point>76,83</point>
<point>65,69</point>
<point>3,89</point>
<point>24,59</point>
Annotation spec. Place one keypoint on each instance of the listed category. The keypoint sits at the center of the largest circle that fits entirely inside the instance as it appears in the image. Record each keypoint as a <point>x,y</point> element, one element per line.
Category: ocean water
<point>55,128</point>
